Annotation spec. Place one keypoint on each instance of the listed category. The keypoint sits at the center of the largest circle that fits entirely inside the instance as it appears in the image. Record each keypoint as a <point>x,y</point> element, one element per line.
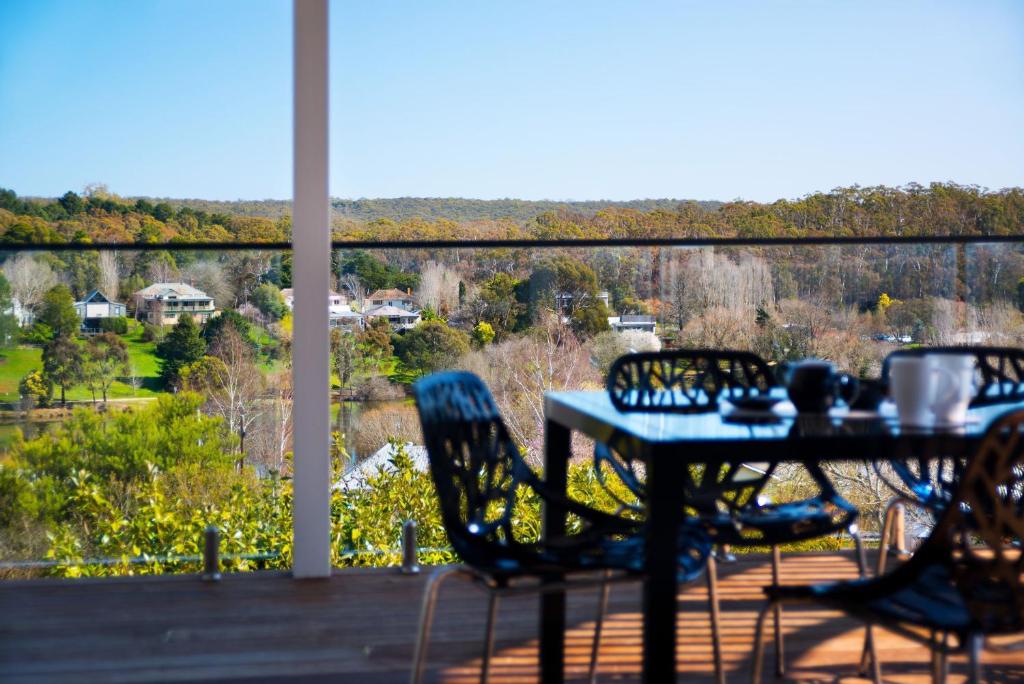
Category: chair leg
<point>492,612</point>
<point>780,648</point>
<point>872,654</point>
<point>716,635</point>
<point>602,608</point>
<point>940,665</point>
<point>890,526</point>
<point>419,657</point>
<point>758,664</point>
<point>862,556</point>
<point>976,645</point>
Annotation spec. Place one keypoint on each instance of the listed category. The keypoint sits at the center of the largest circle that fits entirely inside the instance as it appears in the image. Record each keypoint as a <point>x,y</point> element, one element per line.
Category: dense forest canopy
<point>908,211</point>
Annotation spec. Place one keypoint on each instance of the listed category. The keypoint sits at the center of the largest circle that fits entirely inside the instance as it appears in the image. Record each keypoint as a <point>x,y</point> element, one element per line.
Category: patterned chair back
<point>476,466</point>
<point>685,380</point>
<point>979,537</point>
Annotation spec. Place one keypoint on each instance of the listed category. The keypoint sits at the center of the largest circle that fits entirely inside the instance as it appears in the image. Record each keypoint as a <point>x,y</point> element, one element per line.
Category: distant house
<point>344,318</point>
<point>339,312</point>
<point>391,297</point>
<point>632,322</point>
<point>399,318</point>
<point>164,303</point>
<point>95,307</point>
<point>333,298</point>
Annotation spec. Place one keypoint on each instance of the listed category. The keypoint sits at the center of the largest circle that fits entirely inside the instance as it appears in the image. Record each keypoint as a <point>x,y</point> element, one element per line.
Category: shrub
<point>117,325</point>
<point>35,389</point>
<point>152,333</point>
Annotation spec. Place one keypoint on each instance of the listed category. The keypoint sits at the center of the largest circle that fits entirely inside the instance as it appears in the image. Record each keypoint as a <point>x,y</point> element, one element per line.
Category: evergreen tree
<point>58,312</point>
<point>63,363</point>
<point>180,347</point>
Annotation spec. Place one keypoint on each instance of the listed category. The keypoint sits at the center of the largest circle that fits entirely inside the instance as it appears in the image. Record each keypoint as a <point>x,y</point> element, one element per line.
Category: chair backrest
<point>475,465</point>
<point>980,537</point>
<point>689,381</point>
<point>928,478</point>
<point>685,380</point>
<point>1000,371</point>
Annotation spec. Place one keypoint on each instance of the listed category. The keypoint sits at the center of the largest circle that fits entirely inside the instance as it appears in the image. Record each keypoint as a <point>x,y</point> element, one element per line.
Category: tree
<point>267,298</point>
<point>30,279</point>
<point>109,274</point>
<point>180,347</point>
<point>483,333</point>
<point>58,311</point>
<point>63,363</point>
<point>106,360</point>
<point>376,338</point>
<point>227,319</point>
<point>8,322</point>
<point>431,346</point>
<point>570,287</point>
<point>35,389</point>
<point>501,308</point>
<point>343,355</point>
<point>230,382</point>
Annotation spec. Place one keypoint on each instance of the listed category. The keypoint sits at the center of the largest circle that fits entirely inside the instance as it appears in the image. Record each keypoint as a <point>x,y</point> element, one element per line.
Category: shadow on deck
<point>360,624</point>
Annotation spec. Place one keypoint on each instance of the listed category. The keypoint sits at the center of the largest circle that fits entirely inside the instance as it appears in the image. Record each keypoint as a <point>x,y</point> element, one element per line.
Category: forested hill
<point>912,210</point>
<point>458,209</point>
<point>429,208</point>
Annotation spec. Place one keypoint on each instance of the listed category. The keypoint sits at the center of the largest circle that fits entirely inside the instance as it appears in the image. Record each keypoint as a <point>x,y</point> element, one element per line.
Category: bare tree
<point>209,277</point>
<point>110,274</point>
<point>349,282</point>
<point>231,383</point>
<point>162,271</point>
<point>271,436</point>
<point>521,370</point>
<point>30,280</point>
<point>439,287</point>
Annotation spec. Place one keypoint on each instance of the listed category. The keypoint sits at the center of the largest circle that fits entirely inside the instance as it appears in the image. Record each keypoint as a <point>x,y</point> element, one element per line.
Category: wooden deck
<point>359,626</point>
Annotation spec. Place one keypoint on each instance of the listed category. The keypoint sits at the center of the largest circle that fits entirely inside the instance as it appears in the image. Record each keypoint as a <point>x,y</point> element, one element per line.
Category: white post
<point>311,267</point>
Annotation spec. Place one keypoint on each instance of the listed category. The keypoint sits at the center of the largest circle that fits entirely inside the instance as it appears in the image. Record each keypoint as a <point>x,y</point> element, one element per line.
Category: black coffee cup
<point>814,386</point>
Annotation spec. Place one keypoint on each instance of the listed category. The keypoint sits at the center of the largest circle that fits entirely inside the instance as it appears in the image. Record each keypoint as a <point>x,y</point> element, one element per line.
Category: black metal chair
<point>728,495</point>
<point>967,579</point>
<point>928,481</point>
<point>480,475</point>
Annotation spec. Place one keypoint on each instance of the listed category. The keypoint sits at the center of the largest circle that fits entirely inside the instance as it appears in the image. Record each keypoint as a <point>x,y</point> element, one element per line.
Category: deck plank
<point>359,625</point>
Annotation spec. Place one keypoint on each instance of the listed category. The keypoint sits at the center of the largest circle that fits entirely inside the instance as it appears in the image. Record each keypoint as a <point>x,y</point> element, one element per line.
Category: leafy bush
<point>152,333</point>
<point>36,389</point>
<point>117,325</point>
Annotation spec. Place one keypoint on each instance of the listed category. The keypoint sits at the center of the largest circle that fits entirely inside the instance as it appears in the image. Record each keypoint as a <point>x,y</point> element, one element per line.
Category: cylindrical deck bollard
<point>409,564</point>
<point>211,554</point>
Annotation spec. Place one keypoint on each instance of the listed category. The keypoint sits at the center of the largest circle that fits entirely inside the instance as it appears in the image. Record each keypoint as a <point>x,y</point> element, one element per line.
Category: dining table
<point>668,442</point>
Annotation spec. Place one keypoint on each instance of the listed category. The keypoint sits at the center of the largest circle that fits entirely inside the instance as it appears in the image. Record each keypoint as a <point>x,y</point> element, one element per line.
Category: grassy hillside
<point>15,363</point>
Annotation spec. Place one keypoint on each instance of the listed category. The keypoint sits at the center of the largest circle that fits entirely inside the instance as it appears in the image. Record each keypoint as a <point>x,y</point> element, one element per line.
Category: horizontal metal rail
<point>520,243</point>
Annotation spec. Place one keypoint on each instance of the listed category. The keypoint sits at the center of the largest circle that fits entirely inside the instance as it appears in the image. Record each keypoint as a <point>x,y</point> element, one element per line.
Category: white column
<point>311,266</point>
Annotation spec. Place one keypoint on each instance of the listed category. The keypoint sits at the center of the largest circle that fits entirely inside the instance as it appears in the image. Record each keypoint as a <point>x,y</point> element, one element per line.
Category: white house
<point>391,297</point>
<point>97,306</point>
<point>626,322</point>
<point>164,303</point>
<point>333,299</point>
<point>399,318</point>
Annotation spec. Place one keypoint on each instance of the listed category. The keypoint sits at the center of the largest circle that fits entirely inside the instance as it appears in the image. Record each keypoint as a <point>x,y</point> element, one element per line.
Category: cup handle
<point>945,394</point>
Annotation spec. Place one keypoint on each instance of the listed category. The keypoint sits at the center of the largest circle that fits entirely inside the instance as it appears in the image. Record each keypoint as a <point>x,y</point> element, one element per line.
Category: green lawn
<point>15,363</point>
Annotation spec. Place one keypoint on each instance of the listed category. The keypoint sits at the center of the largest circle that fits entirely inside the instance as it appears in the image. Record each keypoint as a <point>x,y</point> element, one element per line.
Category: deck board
<point>359,625</point>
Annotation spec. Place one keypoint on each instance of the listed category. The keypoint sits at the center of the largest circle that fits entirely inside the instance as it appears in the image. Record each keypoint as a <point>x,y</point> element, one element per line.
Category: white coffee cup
<point>912,387</point>
<point>955,387</point>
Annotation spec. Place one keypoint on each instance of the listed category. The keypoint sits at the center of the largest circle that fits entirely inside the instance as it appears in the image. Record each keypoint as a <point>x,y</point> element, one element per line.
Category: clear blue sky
<point>560,100</point>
